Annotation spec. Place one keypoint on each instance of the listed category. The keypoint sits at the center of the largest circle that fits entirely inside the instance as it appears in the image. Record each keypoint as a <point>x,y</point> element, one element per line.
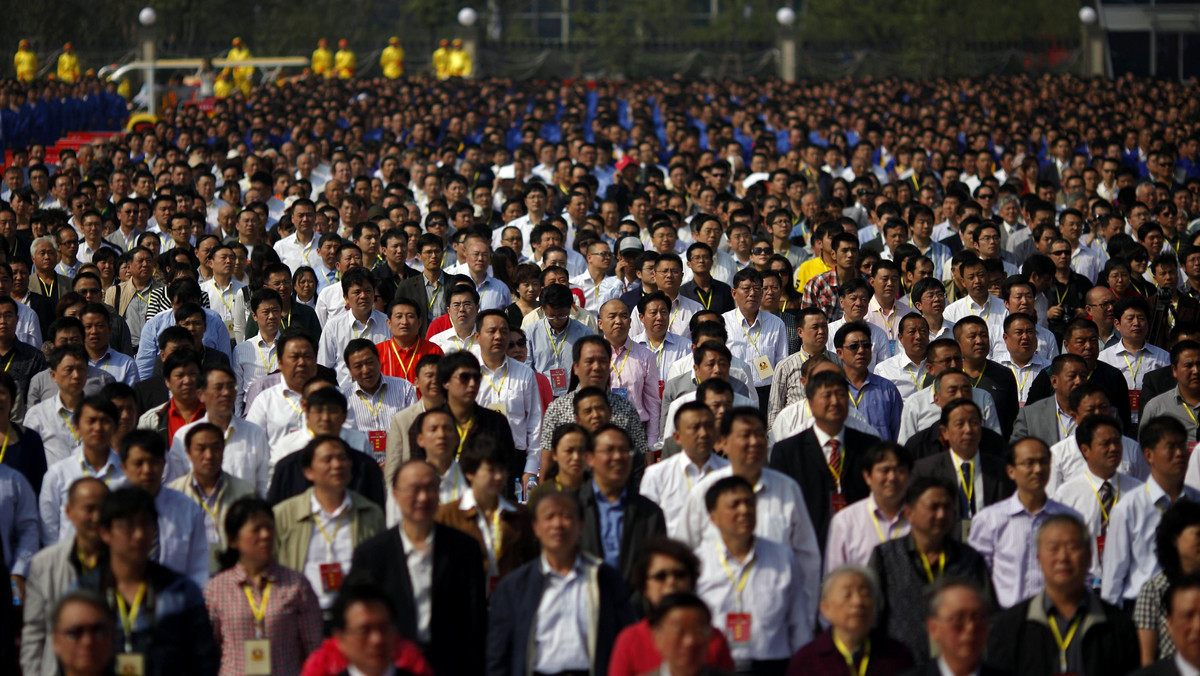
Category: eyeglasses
<point>1060,253</point>
<point>985,196</point>
<point>855,347</point>
<point>519,343</point>
<point>762,251</point>
<point>601,254</point>
<point>1105,304</point>
<point>468,378</point>
<point>97,632</point>
<point>69,242</point>
<point>675,573</point>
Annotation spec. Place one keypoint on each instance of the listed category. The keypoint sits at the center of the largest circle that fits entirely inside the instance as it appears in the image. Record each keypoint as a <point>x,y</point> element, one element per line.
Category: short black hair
<point>358,591</point>
<point>452,362</point>
<point>920,484</point>
<point>100,404</point>
<point>880,451</point>
<point>481,448</point>
<point>149,441</point>
<point>309,452</point>
<point>725,485</point>
<point>127,502</point>
<point>1152,431</point>
<point>675,601</point>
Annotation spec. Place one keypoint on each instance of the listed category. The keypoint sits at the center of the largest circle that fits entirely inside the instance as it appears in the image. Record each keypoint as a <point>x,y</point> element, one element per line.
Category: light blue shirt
<point>18,521</point>
<point>612,517</point>
<point>216,336</point>
<point>548,353</point>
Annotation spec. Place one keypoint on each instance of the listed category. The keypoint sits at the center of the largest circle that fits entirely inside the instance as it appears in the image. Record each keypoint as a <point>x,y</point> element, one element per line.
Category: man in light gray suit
<point>1049,419</point>
<point>54,571</point>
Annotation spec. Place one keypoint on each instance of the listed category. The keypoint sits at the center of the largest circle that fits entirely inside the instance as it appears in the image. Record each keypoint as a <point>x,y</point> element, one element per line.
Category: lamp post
<point>786,17</point>
<point>467,17</point>
<point>1093,41</point>
<point>147,17</point>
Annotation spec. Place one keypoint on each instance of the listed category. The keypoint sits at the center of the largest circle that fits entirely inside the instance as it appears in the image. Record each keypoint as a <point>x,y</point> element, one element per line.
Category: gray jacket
<point>51,574</point>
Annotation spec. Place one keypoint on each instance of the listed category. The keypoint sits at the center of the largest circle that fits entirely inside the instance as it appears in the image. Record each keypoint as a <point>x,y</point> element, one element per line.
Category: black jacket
<point>1000,383</point>
<point>996,484</point>
<point>931,669</point>
<point>458,624</point>
<point>366,479</point>
<point>1156,382</point>
<point>721,300</point>
<point>801,458</point>
<point>1020,640</point>
<point>928,443</point>
<point>413,288</point>
<point>1106,377</point>
<point>642,520</point>
<point>513,616</point>
<point>1164,667</point>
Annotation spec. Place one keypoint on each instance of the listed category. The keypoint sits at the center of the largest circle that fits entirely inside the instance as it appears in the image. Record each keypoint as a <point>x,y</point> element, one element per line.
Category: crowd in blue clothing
<point>45,112</point>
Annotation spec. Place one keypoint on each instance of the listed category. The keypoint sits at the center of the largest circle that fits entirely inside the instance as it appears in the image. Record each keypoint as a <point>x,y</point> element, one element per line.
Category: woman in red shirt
<point>665,567</point>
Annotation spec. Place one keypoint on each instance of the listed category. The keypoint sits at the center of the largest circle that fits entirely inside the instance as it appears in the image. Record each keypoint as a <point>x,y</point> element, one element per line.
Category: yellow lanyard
<point>366,327</point>
<point>87,471</point>
<point>753,341</point>
<point>454,487</point>
<point>267,365</point>
<point>1064,643</point>
<point>259,611</point>
<point>706,303</point>
<point>913,375</point>
<point>556,348</point>
<point>83,564</point>
<point>1133,369</point>
<point>103,363</point>
<point>849,656</point>
<point>9,362</point>
<point>887,323</point>
<point>738,585</point>
<point>929,568</point>
<point>621,369</point>
<point>214,514</point>
<point>70,427</point>
<point>374,409</point>
<point>860,396</point>
<point>294,407</point>
<point>463,347</point>
<point>286,320</point>
<point>129,617</point>
<point>405,370</point>
<point>1066,429</point>
<point>221,295</point>
<point>1190,414</point>
<point>968,486</point>
<point>986,309</point>
<point>336,527</point>
<point>882,536</point>
<point>496,536</point>
<point>1116,496</point>
<point>463,430</point>
<point>498,389</point>
<point>46,292</point>
<point>4,448</point>
<point>1016,375</point>
<point>433,298</point>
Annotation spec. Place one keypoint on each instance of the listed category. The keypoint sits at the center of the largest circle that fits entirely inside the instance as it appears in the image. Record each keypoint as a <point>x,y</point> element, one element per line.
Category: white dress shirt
<point>493,294</point>
<point>331,302</point>
<point>54,422</point>
<point>1082,494</point>
<point>253,358</point>
<point>738,370</point>
<point>561,626</point>
<point>512,390</point>
<point>781,615</point>
<point>766,337</point>
<point>338,333</point>
<point>450,341</point>
<point>890,323</point>
<point>594,294</point>
<point>29,328</point>
<point>1135,366</point>
<point>679,320</point>
<point>1129,558</point>
<point>246,452</point>
<point>855,531</point>
<point>1067,461</point>
<point>278,411</point>
<point>331,542</point>
<point>1005,535</point>
<point>673,348</point>
<point>907,375</point>
<point>881,349</point>
<point>52,500</point>
<point>120,366</point>
<point>782,516</point>
<point>796,417</point>
<point>992,311</point>
<point>1024,375</point>
<point>668,484</point>
<point>1047,345</point>
<point>920,412</point>
<point>294,254</point>
<point>230,304</point>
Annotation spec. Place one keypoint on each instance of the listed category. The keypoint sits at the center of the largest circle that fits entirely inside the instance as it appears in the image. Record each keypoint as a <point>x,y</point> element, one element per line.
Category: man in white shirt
<point>782,513</point>
<point>52,419</point>
<point>97,332</point>
<point>883,310</point>
<point>362,321</point>
<point>597,285</point>
<point>1096,490</point>
<point>277,409</point>
<point>925,407</point>
<point>759,338</point>
<point>462,306</point>
<point>1129,559</point>
<point>668,483</point>
<point>181,544</point>
<point>978,301</point>
<point>854,297</point>
<point>1133,356</point>
<point>1020,339</point>
<point>325,410</point>
<point>331,298</point>
<point>907,369</point>
<point>255,357</point>
<point>1087,400</point>
<point>752,583</point>
<point>96,418</point>
<point>246,451</point>
<point>225,294</point>
<point>1020,296</point>
<point>493,294</point>
<point>510,388</point>
<point>373,398</point>
<point>668,275</point>
<point>302,246</point>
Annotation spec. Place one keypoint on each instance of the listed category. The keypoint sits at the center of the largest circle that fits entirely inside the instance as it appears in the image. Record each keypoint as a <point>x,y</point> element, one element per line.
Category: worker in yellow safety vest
<point>322,59</point>
<point>222,88</point>
<point>344,62</point>
<point>241,74</point>
<point>460,61</point>
<point>441,60</point>
<point>392,59</point>
<point>25,62</point>
<point>68,64</point>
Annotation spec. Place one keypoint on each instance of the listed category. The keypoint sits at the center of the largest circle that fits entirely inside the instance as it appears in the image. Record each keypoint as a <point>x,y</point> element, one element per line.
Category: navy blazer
<point>512,619</point>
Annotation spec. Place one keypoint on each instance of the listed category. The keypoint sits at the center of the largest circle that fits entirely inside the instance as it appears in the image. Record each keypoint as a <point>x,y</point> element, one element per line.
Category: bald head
<point>614,320</point>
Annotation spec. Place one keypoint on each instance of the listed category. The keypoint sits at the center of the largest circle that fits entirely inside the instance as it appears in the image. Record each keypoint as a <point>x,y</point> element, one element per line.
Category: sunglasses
<point>664,575</point>
<point>855,347</point>
<point>520,343</point>
<point>762,251</point>
<point>468,378</point>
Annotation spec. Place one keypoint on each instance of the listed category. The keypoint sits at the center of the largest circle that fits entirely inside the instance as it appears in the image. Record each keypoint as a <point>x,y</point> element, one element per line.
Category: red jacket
<point>634,652</point>
<point>328,660</point>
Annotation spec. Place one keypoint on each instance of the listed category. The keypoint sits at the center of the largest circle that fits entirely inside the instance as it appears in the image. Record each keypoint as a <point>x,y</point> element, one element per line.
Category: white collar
<point>317,509</point>
<point>959,460</point>
<point>468,502</point>
<point>823,438</point>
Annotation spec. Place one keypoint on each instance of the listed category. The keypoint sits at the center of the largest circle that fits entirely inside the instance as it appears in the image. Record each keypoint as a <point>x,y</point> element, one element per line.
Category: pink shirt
<point>635,377</point>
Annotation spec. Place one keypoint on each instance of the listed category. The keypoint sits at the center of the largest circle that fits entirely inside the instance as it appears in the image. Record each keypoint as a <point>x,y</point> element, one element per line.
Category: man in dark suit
<point>530,606</point>
<point>1162,379</point>
<point>958,626</point>
<point>1048,419</point>
<point>1183,607</point>
<point>391,269</point>
<point>963,466</point>
<point>428,288</point>
<point>826,458</point>
<point>1081,337</point>
<point>616,519</point>
<point>432,573</point>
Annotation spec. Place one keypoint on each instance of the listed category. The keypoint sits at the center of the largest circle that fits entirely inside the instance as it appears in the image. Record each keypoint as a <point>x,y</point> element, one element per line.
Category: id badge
<point>1100,545</point>
<point>131,664</point>
<point>378,441</point>
<point>1135,400</point>
<point>621,392</point>
<point>965,525</point>
<point>229,326</point>
<point>1191,447</point>
<point>331,577</point>
<point>837,501</point>
<point>737,627</point>
<point>763,368</point>
<point>499,407</point>
<point>892,347</point>
<point>558,378</point>
<point>258,657</point>
<point>661,386</point>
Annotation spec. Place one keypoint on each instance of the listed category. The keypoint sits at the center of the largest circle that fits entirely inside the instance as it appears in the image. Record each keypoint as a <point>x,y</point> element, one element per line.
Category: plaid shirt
<point>822,292</point>
<point>624,415</point>
<point>293,618</point>
<point>1151,613</point>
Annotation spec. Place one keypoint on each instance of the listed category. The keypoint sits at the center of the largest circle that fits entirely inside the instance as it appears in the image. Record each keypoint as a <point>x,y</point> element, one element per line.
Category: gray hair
<point>937,593</point>
<point>1006,200</point>
<point>865,574</point>
<point>44,239</point>
<point>1065,520</point>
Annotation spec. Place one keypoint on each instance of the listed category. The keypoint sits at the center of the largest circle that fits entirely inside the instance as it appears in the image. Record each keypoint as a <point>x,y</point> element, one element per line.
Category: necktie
<point>969,501</point>
<point>835,457</point>
<point>1107,499</point>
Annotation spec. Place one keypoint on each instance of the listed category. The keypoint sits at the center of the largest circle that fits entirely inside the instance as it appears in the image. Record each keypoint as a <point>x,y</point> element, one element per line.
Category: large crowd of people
<point>670,377</point>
